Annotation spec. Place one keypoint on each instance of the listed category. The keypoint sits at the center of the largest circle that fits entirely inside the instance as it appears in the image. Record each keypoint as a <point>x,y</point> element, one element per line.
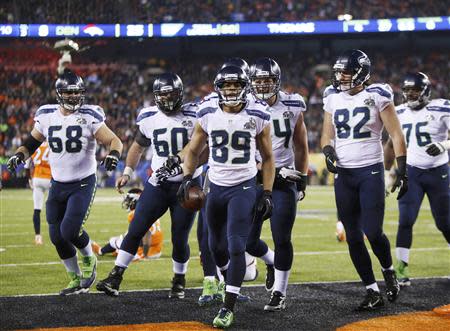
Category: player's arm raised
<point>327,144</point>
<point>108,138</point>
<point>33,141</point>
<point>191,159</point>
<point>301,153</point>
<point>392,125</point>
<point>135,151</point>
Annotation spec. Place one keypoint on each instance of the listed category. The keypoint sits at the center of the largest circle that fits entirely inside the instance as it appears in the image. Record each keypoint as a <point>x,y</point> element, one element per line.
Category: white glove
<point>291,175</point>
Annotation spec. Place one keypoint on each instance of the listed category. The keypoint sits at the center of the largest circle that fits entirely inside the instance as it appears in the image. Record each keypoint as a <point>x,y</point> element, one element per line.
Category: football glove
<point>170,168</point>
<point>14,161</point>
<point>265,205</point>
<point>330,158</point>
<point>401,181</point>
<point>111,160</point>
<point>435,149</point>
<point>183,191</point>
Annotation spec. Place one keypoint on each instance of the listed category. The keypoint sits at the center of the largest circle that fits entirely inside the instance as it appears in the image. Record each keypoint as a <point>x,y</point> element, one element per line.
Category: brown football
<point>196,199</point>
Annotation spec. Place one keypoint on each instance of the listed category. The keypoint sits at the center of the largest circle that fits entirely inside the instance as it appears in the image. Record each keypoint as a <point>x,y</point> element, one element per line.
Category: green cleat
<point>224,319</point>
<point>89,271</point>
<point>220,295</point>
<point>74,285</point>
<point>209,292</point>
<point>401,269</point>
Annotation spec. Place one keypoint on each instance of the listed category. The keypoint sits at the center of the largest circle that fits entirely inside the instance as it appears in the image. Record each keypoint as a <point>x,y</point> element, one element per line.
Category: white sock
<point>232,289</point>
<point>87,251</point>
<point>269,257</point>
<point>219,275</point>
<point>123,259</point>
<point>390,268</point>
<point>373,286</point>
<point>402,254</point>
<point>281,281</point>
<point>71,265</point>
<point>210,278</point>
<point>179,268</point>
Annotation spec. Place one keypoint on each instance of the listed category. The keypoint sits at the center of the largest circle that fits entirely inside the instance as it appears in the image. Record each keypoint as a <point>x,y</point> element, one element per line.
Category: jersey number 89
<point>240,141</point>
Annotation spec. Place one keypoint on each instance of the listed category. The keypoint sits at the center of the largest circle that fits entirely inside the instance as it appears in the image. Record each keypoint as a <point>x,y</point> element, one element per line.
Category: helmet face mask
<point>231,84</point>
<point>416,90</point>
<point>350,70</point>
<point>168,93</point>
<point>70,91</point>
<point>265,87</point>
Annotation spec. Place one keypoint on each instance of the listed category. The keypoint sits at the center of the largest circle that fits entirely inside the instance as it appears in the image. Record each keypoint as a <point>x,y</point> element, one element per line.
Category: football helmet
<point>265,77</point>
<point>237,62</point>
<point>231,85</point>
<point>70,91</point>
<point>416,89</point>
<point>168,92</point>
<point>131,198</point>
<point>355,63</point>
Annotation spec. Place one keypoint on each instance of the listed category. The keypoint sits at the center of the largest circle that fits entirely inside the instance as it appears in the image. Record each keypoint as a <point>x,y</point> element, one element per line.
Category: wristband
<point>128,171</point>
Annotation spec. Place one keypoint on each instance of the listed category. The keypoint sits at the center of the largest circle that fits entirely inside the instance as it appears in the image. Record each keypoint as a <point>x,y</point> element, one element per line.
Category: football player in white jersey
<point>232,125</point>
<point>426,124</point>
<point>167,128</point>
<point>353,122</point>
<point>71,129</point>
<point>290,150</point>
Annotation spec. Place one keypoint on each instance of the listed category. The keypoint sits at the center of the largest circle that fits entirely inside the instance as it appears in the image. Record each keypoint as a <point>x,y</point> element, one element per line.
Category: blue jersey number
<point>240,141</point>
<point>178,139</point>
<point>283,134</point>
<point>73,143</point>
<point>422,138</point>
<point>341,118</point>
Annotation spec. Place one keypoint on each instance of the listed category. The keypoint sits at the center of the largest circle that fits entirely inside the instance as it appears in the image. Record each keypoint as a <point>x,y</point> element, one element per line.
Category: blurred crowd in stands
<point>209,11</point>
<point>122,89</point>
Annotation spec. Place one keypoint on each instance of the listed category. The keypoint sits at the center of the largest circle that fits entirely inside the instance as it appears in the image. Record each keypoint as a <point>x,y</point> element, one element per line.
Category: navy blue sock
<point>37,221</point>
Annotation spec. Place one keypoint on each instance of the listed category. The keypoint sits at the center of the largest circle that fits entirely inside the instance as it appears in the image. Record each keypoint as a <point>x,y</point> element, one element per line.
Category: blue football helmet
<point>352,62</point>
<point>231,96</point>
<point>168,92</point>
<point>237,62</point>
<point>131,198</point>
<point>416,89</point>
<point>267,70</point>
<point>70,91</point>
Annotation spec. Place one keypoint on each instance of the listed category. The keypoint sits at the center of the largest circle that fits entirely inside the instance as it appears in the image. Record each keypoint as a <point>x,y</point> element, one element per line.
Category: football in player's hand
<point>196,199</point>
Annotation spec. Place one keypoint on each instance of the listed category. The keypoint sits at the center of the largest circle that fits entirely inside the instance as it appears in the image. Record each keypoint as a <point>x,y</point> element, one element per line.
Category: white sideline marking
<point>199,287</point>
<point>424,249</point>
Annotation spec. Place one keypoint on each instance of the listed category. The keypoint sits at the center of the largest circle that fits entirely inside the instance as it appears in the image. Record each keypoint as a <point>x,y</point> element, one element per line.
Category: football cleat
<point>270,277</point>
<point>277,302</point>
<point>38,239</point>
<point>210,289</point>
<point>372,301</point>
<point>224,318</point>
<point>74,285</point>
<point>392,286</point>
<point>89,271</point>
<point>402,272</point>
<point>110,285</point>
<point>178,284</point>
<point>220,295</point>
<point>340,231</point>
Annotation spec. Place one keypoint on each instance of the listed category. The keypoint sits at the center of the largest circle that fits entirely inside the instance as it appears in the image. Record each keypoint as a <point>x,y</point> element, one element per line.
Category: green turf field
<point>29,269</point>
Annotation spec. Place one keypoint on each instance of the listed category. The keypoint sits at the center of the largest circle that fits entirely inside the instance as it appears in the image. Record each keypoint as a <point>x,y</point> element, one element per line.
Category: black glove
<point>435,149</point>
<point>265,206</point>
<point>111,160</point>
<point>183,191</point>
<point>330,158</point>
<point>402,178</point>
<point>170,168</point>
<point>301,187</point>
<point>14,161</point>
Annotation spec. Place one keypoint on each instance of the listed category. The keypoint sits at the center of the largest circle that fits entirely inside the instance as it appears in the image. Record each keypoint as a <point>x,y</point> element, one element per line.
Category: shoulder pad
<point>382,89</point>
<point>146,112</point>
<point>329,91</point>
<point>46,109</point>
<point>94,111</point>
<point>206,110</point>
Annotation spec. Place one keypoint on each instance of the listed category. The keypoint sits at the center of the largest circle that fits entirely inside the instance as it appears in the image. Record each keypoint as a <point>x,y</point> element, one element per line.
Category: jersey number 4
<point>73,142</point>
<point>341,118</point>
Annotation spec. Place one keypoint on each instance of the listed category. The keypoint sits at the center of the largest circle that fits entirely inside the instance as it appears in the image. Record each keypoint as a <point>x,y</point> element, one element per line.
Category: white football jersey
<point>284,114</point>
<point>357,124</point>
<point>231,139</point>
<point>422,127</point>
<point>71,140</point>
<point>168,134</point>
